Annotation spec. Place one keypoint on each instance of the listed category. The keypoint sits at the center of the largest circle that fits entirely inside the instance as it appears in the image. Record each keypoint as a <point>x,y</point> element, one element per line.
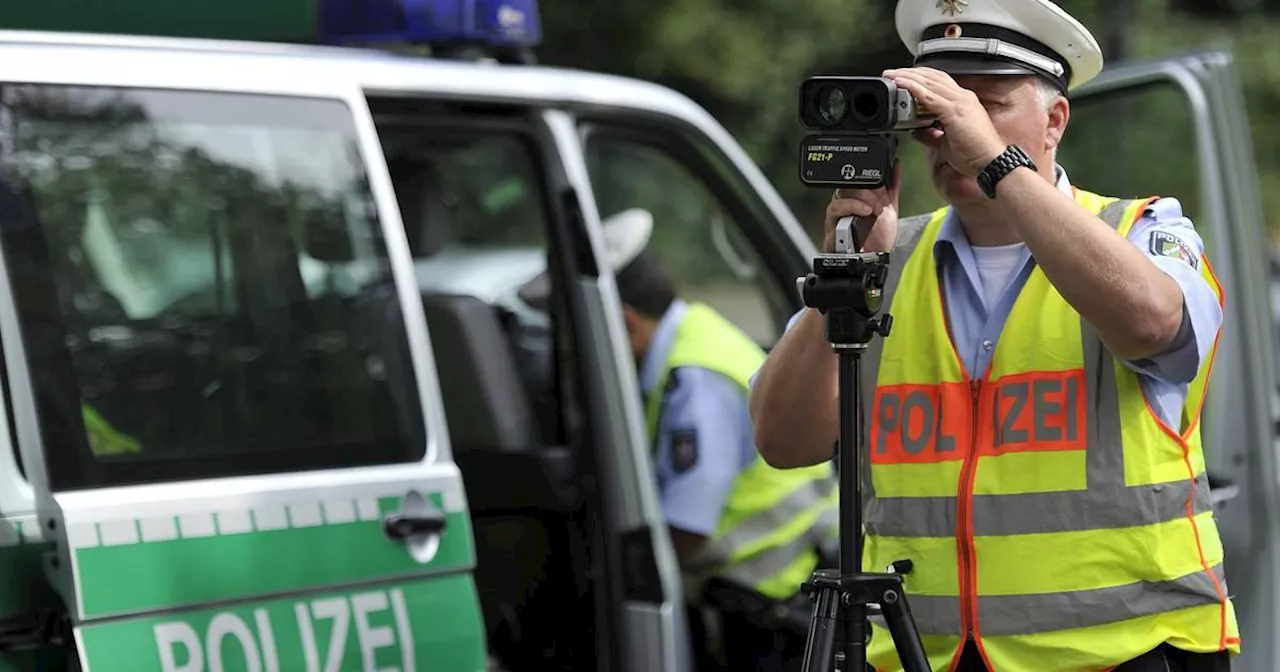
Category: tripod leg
<point>902,628</point>
<point>820,645</point>
<point>855,643</point>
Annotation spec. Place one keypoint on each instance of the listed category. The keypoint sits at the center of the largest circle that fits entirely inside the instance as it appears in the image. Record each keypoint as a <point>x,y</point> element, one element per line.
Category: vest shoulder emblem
<point>1165,244</point>
<point>684,450</point>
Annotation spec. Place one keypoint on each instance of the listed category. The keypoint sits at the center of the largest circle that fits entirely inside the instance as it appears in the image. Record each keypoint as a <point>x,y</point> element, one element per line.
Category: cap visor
<point>962,65</point>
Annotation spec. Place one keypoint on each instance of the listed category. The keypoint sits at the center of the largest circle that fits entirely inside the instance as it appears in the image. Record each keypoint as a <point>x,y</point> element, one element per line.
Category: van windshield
<point>202,286</point>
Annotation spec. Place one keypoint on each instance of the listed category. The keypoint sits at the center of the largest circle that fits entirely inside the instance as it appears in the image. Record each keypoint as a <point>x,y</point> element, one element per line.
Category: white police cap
<point>999,37</point>
<point>626,234</point>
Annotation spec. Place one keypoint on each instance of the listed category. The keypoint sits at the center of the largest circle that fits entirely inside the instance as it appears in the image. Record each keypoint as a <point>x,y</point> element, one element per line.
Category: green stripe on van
<point>165,562</point>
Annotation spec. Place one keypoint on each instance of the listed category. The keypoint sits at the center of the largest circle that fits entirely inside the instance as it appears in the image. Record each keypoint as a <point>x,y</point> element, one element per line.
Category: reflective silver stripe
<point>802,499</point>
<point>1046,612</point>
<point>826,528</point>
<point>765,564</point>
<point>1039,512</point>
<point>825,487</point>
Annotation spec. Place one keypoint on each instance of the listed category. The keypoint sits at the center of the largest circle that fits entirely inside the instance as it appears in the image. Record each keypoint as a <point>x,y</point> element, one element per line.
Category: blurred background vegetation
<point>743,61</point>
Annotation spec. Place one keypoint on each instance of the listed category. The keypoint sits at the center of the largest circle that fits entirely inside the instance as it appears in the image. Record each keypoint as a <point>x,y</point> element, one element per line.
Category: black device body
<point>858,121</point>
<point>847,287</point>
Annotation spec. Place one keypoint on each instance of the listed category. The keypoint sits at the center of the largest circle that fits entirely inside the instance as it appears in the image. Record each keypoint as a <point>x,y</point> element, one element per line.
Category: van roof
<point>30,50</point>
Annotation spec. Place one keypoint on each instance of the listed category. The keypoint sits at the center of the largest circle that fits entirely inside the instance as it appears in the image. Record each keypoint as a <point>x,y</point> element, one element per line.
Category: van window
<point>474,206</point>
<point>202,286</point>
<point>1118,144</point>
<point>695,232</point>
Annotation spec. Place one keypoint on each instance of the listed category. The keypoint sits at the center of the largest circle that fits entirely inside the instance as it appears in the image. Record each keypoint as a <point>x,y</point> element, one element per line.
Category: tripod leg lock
<point>903,566</point>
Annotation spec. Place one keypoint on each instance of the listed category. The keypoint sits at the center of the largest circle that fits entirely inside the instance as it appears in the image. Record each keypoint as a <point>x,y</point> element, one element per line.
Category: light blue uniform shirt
<point>1164,377</point>
<point>712,410</point>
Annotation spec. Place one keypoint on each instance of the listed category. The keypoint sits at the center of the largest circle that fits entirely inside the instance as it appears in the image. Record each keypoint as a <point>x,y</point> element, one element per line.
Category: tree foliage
<point>744,61</point>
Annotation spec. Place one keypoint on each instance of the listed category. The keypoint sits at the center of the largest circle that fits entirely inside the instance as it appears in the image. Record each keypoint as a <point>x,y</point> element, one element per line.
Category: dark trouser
<point>1164,658</point>
<point>755,633</point>
<point>748,647</point>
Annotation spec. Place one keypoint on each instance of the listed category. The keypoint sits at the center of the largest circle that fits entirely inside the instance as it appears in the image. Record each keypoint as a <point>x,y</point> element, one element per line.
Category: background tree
<point>743,61</point>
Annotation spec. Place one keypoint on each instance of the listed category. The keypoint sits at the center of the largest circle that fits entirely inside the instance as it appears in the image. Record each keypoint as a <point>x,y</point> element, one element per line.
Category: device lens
<point>832,105</point>
<point>866,105</point>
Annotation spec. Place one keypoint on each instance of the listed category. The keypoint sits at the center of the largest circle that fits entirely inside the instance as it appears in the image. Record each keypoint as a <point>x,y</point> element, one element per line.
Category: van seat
<point>484,398</point>
<point>520,492</point>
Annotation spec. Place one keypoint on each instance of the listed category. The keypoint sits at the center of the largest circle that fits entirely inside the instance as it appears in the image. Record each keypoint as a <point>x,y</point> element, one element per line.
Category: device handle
<point>851,231</point>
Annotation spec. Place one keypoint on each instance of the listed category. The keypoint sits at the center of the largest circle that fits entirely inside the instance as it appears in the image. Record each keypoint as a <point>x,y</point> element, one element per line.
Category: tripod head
<point>847,287</point>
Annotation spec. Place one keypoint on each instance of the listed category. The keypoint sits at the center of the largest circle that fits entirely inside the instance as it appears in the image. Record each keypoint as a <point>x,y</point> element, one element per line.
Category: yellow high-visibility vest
<point>1050,514</point>
<point>774,519</point>
<point>103,438</point>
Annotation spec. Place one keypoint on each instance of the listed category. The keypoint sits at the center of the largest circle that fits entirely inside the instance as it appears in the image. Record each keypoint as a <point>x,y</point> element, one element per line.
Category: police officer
<point>1033,442</point>
<point>744,531</point>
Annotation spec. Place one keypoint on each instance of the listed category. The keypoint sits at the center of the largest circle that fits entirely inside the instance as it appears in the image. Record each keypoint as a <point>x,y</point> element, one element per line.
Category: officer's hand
<point>967,139</point>
<point>879,203</point>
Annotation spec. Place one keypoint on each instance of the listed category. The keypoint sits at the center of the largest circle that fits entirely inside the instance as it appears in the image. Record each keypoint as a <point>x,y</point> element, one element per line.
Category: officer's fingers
<point>877,198</point>
<point>933,95</point>
<point>880,199</point>
<point>844,207</point>
<point>928,137</point>
<point>844,197</point>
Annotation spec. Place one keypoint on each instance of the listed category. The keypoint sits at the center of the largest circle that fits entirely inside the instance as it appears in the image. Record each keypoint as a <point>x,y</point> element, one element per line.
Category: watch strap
<point>1008,161</point>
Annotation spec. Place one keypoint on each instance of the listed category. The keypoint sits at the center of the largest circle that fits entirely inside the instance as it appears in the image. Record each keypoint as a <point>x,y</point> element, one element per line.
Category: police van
<point>279,393</point>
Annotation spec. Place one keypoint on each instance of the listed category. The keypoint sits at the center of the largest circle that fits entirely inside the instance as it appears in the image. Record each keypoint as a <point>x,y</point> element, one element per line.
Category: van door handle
<point>401,527</point>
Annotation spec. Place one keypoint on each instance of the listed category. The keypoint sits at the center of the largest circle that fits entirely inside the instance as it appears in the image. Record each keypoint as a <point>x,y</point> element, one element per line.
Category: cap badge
<point>952,7</point>
<point>953,31</point>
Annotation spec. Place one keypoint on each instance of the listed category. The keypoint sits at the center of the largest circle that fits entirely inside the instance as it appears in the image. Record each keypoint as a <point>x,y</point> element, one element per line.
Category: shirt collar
<point>660,346</point>
<point>953,234</point>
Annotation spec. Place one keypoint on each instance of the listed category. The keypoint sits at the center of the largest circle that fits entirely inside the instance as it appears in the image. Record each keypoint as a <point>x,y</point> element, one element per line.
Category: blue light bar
<point>495,23</point>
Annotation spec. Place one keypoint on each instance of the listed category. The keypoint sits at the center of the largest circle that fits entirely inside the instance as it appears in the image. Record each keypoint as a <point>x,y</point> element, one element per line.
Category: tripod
<point>846,287</point>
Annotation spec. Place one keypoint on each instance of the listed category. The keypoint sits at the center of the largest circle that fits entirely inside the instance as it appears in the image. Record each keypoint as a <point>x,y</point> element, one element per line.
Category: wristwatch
<point>1010,159</point>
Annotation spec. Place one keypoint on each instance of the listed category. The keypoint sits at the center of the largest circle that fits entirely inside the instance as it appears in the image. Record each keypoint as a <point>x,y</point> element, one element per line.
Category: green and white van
<point>276,396</point>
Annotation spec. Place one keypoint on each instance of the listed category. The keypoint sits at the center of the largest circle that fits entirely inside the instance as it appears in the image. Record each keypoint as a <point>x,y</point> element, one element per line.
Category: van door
<point>496,243</point>
<point>26,599</point>
<point>728,243</point>
<point>222,384</point>
<point>1177,128</point>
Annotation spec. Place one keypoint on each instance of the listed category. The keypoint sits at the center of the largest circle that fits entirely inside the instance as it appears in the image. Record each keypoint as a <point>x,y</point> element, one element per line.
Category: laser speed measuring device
<point>857,120</point>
